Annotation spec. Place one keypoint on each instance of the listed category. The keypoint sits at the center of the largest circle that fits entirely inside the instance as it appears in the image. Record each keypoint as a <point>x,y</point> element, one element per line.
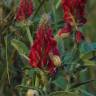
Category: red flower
<point>79,37</point>
<point>74,11</point>
<point>43,46</point>
<point>25,10</point>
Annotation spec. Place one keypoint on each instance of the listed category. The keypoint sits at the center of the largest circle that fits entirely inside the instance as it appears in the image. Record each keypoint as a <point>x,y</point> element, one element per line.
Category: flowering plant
<point>46,49</point>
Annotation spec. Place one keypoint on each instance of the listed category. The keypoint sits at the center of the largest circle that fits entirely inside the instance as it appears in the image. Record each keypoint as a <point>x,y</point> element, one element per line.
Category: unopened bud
<point>64,32</point>
<point>32,92</point>
<point>64,35</point>
<point>56,60</point>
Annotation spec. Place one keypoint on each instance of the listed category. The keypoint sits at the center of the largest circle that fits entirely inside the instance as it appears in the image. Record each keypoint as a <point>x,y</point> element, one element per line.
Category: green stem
<point>40,5</point>
<point>54,14</point>
<point>7,60</point>
<point>36,81</point>
<point>27,87</point>
<point>58,4</point>
<point>29,35</point>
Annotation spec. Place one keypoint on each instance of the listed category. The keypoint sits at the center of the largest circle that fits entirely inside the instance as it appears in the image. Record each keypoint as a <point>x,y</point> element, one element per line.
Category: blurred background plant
<point>76,75</point>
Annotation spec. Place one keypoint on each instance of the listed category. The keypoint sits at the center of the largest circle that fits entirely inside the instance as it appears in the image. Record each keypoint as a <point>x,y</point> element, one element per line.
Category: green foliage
<point>20,47</point>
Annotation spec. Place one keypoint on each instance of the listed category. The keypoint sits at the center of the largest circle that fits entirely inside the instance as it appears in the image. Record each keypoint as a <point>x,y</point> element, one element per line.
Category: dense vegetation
<point>46,49</point>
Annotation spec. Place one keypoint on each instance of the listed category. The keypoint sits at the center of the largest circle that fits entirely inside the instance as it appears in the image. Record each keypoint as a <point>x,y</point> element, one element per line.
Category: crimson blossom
<point>74,17</point>
<point>44,49</point>
<point>74,11</point>
<point>25,10</point>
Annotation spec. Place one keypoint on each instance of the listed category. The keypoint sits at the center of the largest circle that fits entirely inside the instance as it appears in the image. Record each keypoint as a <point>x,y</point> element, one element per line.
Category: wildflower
<point>74,11</point>
<point>25,10</point>
<point>43,45</point>
<point>74,17</point>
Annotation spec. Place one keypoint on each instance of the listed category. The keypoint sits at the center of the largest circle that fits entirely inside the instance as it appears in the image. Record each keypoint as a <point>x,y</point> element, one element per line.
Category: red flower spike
<point>25,10</point>
<point>79,37</point>
<point>44,44</point>
<point>74,10</point>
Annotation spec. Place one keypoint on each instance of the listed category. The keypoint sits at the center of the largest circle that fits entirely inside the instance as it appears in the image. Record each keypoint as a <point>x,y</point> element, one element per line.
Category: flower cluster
<point>74,16</point>
<point>25,10</point>
<point>44,51</point>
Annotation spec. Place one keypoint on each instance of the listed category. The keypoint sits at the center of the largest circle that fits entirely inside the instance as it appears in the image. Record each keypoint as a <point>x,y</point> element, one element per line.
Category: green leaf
<point>20,47</point>
<point>60,45</point>
<point>82,83</point>
<point>58,4</point>
<point>89,62</point>
<point>59,82</point>
<point>87,47</point>
<point>31,72</point>
<point>63,93</point>
<point>87,50</point>
<point>86,93</point>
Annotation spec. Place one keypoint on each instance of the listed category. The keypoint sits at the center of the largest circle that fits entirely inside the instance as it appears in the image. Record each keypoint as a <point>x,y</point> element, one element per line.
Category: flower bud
<point>65,31</point>
<point>32,92</point>
<point>56,60</point>
<point>63,34</point>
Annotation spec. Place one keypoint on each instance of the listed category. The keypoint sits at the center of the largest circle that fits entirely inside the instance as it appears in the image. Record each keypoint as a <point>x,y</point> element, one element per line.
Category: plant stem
<point>7,60</point>
<point>58,4</point>
<point>41,4</point>
<point>54,14</point>
<point>29,35</point>
<point>36,81</point>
